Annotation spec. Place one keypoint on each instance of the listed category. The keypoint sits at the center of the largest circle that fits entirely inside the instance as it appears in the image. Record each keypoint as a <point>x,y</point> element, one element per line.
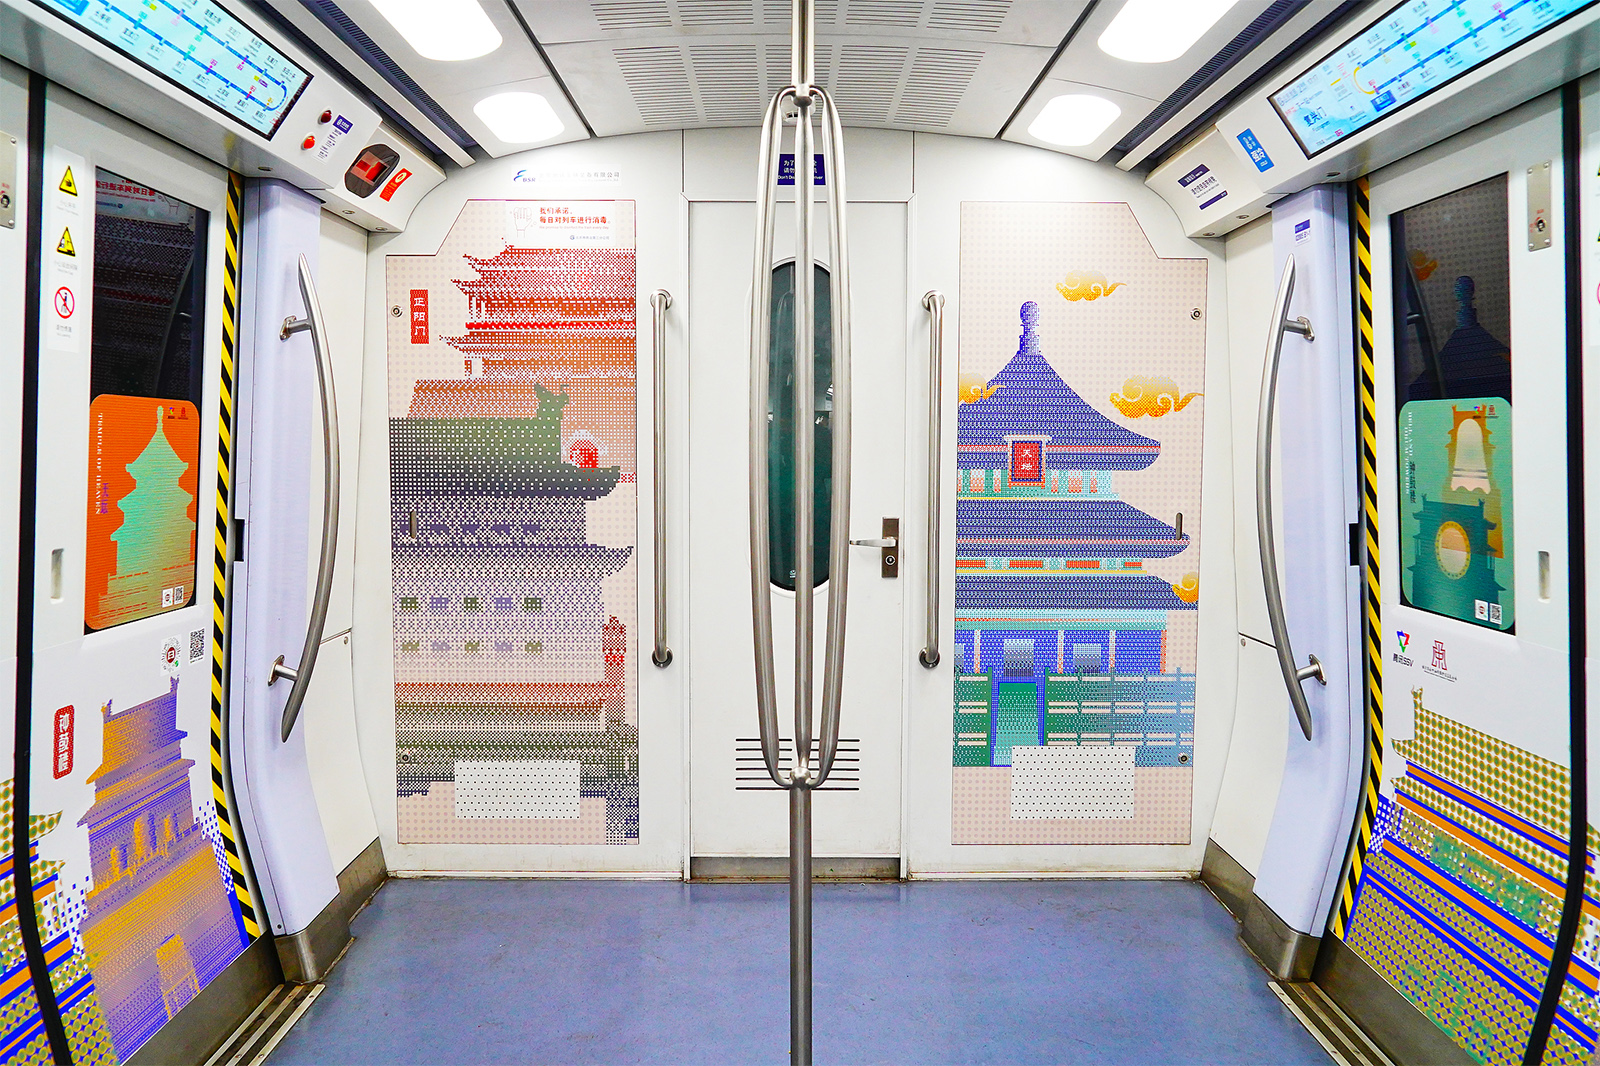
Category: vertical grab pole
<point>805,424</point>
<point>660,300</point>
<point>806,773</point>
<point>934,302</point>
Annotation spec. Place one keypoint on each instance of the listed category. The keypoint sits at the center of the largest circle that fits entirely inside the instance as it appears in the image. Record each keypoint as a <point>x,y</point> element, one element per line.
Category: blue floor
<point>454,971</point>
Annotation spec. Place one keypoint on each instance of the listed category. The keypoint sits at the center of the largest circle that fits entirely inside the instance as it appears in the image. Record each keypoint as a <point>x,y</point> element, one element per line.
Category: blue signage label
<point>1252,147</point>
<point>786,169</point>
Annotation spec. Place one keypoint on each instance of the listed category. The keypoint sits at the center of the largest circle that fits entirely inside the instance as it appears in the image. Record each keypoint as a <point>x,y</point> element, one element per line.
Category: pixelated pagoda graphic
<point>22,1033</point>
<point>159,922</point>
<point>1060,632</point>
<point>1461,892</point>
<point>508,660</point>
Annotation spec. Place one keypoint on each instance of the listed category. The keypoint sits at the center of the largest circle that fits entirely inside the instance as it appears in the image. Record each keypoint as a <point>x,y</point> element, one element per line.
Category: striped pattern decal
<point>219,563</point>
<point>1373,647</point>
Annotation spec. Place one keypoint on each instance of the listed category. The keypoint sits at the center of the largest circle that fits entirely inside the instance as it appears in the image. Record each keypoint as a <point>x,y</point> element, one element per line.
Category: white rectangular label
<point>517,788</point>
<point>1068,781</point>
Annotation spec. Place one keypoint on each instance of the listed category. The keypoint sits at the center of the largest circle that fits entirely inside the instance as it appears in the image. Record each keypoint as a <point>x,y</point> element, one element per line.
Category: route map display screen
<point>1419,46</point>
<point>200,48</point>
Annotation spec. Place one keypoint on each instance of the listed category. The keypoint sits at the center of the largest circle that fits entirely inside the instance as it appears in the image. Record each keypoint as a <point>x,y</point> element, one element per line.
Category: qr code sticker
<point>197,645</point>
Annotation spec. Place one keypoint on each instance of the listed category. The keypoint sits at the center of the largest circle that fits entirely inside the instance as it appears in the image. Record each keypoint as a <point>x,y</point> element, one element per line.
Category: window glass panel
<point>145,375</point>
<point>781,429</point>
<point>1452,324</point>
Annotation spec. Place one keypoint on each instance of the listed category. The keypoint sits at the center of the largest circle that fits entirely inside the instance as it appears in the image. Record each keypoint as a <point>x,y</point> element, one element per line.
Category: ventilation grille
<point>941,16</point>
<point>692,85</point>
<point>750,770</point>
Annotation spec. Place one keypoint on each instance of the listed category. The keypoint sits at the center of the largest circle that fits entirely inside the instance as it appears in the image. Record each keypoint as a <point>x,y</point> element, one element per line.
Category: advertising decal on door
<point>514,520</point>
<point>1077,534</point>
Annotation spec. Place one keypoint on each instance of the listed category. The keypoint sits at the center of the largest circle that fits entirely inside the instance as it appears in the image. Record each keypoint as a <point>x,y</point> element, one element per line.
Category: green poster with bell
<point>1455,509</point>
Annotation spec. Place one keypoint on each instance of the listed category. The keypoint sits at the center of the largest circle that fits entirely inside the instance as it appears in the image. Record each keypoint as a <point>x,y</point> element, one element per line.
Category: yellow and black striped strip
<point>1372,617</point>
<point>219,564</point>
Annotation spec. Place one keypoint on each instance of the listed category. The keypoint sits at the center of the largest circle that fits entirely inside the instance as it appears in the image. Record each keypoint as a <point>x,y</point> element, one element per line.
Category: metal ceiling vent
<point>702,74</point>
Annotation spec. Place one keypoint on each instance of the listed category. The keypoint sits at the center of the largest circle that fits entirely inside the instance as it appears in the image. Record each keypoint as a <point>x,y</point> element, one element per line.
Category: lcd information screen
<point>1418,47</point>
<point>199,47</point>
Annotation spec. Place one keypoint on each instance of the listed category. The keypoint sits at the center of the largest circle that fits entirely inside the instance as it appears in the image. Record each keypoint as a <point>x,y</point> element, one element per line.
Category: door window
<point>1452,368</point>
<point>781,428</point>
<point>145,371</point>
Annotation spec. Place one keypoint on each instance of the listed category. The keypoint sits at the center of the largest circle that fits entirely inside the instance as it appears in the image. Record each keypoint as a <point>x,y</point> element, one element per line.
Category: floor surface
<point>531,971</point>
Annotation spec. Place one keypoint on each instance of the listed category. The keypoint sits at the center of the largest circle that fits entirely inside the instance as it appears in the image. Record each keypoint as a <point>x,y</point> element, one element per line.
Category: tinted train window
<point>781,428</point>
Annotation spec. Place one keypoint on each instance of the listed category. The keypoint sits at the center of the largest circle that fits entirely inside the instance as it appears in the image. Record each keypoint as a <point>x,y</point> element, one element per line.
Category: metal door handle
<point>301,675</point>
<point>660,300</point>
<point>933,300</point>
<point>878,542</point>
<point>1292,675</point>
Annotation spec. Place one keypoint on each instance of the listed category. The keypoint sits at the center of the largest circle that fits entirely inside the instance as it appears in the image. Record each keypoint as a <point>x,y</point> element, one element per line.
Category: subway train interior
<point>473,603</point>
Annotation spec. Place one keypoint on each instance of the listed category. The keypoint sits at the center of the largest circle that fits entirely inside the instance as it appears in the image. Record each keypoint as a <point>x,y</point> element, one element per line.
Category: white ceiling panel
<point>1037,23</point>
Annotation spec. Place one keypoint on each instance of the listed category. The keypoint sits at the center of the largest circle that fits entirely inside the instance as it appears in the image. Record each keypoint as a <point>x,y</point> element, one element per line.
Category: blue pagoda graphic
<point>1061,635</point>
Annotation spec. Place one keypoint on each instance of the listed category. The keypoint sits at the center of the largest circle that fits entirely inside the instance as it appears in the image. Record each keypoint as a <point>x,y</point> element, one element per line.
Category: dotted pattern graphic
<point>1077,524</point>
<point>1460,893</point>
<point>22,1033</point>
<point>1071,782</point>
<point>513,525</point>
<point>533,788</point>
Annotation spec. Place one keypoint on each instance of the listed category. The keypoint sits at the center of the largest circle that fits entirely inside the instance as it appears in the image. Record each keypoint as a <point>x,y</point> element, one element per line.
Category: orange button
<point>309,143</point>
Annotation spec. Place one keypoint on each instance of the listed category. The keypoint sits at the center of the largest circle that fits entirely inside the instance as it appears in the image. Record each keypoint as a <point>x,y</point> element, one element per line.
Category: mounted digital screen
<point>200,48</point>
<point>1416,48</point>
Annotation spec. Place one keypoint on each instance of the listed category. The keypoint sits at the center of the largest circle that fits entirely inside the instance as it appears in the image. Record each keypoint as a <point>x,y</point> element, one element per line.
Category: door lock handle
<point>878,542</point>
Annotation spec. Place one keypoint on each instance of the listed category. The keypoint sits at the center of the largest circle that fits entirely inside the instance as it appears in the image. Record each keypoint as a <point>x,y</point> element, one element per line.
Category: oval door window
<point>781,428</point>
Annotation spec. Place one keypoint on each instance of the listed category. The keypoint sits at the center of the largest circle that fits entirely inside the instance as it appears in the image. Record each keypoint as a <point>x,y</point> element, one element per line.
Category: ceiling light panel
<point>1160,31</point>
<point>1070,107</point>
<point>519,118</point>
<point>442,30</point>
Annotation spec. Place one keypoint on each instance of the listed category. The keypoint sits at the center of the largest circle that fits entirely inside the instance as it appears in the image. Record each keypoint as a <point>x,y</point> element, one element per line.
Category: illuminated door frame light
<point>1159,31</point>
<point>1074,120</point>
<point>446,31</point>
<point>519,118</point>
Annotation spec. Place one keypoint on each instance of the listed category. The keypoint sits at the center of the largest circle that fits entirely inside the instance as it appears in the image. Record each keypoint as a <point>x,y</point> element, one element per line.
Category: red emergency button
<point>309,143</point>
<point>325,118</point>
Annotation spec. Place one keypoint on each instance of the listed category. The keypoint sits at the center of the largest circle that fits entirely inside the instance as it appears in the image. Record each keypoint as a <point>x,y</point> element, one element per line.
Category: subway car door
<point>1456,887</point>
<point>147,901</point>
<point>736,813</point>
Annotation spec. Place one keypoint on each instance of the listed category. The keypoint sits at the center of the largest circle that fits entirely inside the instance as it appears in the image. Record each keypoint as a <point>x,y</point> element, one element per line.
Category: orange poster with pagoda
<point>144,470</point>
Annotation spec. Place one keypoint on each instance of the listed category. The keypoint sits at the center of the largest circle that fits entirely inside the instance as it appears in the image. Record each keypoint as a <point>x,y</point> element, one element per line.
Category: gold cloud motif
<point>1188,588</point>
<point>970,388</point>
<point>1155,397</point>
<point>1086,285</point>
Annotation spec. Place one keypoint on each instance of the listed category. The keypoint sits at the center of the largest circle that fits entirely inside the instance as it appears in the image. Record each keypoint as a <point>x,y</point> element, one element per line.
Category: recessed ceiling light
<point>1159,31</point>
<point>1074,120</point>
<point>519,118</point>
<point>445,30</point>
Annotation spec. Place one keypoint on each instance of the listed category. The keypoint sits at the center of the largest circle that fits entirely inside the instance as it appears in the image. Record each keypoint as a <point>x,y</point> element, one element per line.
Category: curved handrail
<point>1292,675</point>
<point>934,302</point>
<point>660,300</point>
<point>301,675</point>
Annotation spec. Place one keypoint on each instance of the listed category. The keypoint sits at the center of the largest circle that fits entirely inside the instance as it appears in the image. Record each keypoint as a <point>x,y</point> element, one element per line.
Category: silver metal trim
<point>933,301</point>
<point>301,675</point>
<point>1292,675</point>
<point>660,300</point>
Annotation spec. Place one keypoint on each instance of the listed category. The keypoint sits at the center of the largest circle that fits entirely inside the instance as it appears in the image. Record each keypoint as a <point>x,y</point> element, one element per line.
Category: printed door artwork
<point>514,509</point>
<point>1456,885</point>
<point>1077,528</point>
